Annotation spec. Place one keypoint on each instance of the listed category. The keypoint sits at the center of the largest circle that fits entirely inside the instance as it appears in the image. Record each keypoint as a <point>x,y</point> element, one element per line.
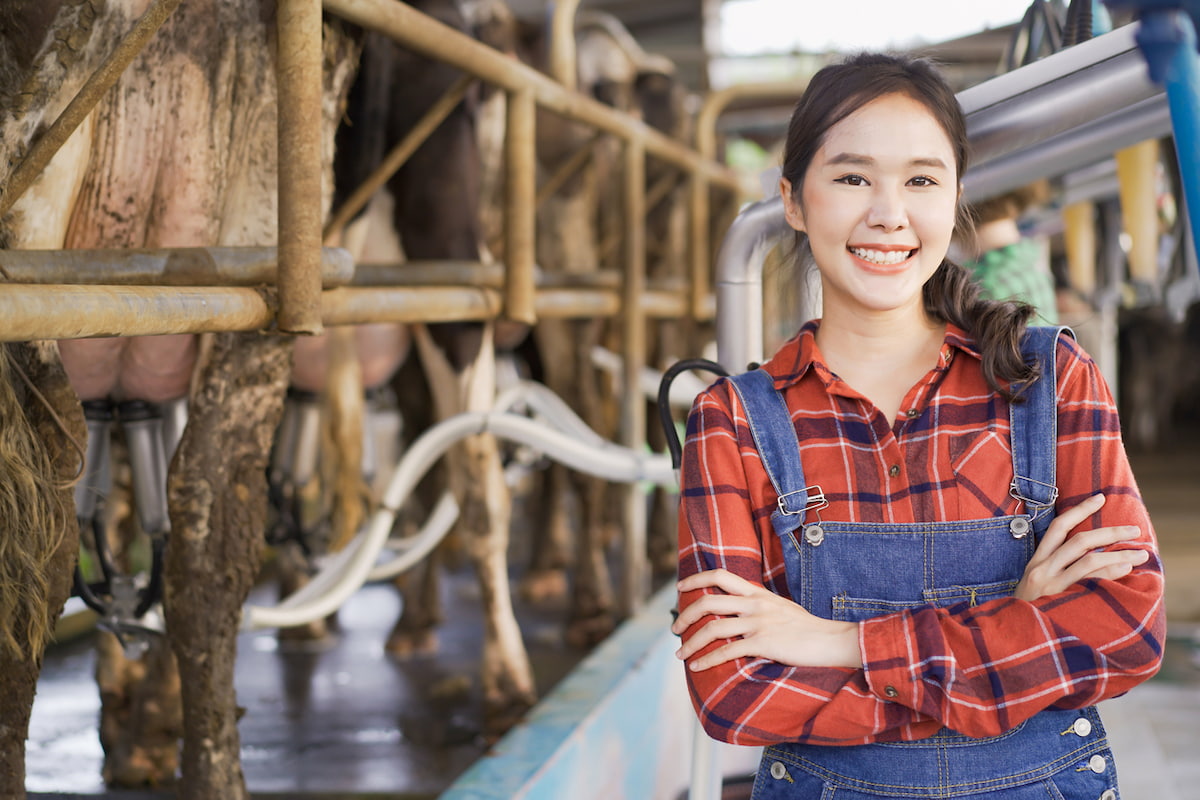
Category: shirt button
<point>1097,764</point>
<point>1082,727</point>
<point>912,413</point>
<point>890,691</point>
<point>894,470</point>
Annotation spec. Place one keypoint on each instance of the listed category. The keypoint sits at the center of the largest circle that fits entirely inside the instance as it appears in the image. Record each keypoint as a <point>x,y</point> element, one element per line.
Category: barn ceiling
<point>686,31</point>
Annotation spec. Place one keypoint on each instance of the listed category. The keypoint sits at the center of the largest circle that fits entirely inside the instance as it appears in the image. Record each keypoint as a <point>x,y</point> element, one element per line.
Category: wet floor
<point>332,720</point>
<point>346,720</point>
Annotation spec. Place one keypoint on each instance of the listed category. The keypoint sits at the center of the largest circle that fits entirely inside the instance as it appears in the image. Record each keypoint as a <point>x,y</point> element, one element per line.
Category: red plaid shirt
<point>979,670</point>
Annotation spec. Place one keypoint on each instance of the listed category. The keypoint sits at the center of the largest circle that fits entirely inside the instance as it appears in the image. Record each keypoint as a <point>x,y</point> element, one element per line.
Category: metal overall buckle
<point>1020,526</point>
<point>814,534</point>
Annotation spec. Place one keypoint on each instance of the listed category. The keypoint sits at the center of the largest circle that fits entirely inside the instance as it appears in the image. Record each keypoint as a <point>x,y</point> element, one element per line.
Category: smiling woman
<point>876,551</point>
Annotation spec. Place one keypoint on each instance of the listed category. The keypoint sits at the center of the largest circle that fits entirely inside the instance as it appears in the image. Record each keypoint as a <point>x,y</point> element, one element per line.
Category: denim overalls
<point>855,571</point>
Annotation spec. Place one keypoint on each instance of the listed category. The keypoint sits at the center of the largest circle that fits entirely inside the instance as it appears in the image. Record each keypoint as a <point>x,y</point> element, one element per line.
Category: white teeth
<point>881,256</point>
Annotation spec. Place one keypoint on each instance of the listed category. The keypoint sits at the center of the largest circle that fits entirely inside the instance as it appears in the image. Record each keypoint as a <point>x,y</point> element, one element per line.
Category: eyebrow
<point>855,159</point>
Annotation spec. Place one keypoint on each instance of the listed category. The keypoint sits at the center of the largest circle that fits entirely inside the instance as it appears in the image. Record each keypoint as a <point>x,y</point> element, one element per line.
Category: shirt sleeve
<point>753,701</point>
<point>985,669</point>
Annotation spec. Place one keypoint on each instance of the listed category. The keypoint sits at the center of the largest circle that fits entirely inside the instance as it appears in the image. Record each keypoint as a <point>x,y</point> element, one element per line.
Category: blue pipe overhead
<point>1167,39</point>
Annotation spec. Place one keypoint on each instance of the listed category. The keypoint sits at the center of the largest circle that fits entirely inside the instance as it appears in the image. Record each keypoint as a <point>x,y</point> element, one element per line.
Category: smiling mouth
<point>882,258</point>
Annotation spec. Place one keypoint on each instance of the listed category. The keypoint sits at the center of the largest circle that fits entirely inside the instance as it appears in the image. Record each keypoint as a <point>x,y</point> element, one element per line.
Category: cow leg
<point>212,562</point>
<point>550,539</point>
<point>39,455</point>
<point>459,363</point>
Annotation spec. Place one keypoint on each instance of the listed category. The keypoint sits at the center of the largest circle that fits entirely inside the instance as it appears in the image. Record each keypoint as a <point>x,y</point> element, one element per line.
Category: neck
<point>889,337</point>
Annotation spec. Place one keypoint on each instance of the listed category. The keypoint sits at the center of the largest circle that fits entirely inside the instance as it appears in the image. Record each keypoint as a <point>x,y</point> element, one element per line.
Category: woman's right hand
<point>1059,562</point>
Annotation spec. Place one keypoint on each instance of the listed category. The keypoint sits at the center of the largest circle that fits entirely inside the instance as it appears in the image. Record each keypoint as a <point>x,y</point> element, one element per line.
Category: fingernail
<point>1132,532</point>
<point>1096,497</point>
<point>678,652</point>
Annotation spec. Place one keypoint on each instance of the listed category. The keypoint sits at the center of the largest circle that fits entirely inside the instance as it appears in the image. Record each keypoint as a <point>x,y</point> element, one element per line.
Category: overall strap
<point>775,437</point>
<point>1034,425</point>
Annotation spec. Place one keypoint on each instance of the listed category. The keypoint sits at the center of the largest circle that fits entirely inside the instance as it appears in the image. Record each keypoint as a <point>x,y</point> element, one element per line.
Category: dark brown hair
<point>950,295</point>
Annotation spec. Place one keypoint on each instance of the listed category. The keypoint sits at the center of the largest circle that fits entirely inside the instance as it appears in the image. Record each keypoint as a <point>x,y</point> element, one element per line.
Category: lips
<point>884,259</point>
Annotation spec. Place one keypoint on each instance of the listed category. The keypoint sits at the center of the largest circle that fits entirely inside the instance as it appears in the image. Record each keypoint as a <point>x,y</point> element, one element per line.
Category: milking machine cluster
<point>127,600</point>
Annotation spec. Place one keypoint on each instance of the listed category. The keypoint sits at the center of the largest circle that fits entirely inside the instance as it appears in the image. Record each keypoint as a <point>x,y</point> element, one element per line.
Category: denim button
<point>1082,727</point>
<point>1019,527</point>
<point>1109,794</point>
<point>778,770</point>
<point>1097,764</point>
<point>814,535</point>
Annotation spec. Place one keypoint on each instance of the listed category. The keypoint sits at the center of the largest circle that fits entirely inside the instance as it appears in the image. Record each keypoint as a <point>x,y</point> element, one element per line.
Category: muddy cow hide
<point>180,153</point>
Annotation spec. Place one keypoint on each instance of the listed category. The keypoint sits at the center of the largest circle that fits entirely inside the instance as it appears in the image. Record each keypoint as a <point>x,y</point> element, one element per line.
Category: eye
<point>851,180</point>
<point>922,180</point>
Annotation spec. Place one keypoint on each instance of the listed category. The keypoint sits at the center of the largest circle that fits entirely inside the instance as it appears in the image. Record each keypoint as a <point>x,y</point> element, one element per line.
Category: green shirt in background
<point>1012,273</point>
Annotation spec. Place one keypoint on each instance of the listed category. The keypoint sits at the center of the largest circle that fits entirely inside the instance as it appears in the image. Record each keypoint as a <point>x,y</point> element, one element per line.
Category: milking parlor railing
<point>78,294</point>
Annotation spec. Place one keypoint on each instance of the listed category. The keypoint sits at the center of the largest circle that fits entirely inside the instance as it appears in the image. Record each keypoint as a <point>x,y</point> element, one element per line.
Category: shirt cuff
<point>887,662</point>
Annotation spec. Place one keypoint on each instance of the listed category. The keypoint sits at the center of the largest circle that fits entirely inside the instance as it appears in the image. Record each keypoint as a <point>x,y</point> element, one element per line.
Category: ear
<point>791,209</point>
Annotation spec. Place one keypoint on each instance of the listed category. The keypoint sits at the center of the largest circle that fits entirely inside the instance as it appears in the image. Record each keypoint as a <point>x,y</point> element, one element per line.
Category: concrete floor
<point>346,720</point>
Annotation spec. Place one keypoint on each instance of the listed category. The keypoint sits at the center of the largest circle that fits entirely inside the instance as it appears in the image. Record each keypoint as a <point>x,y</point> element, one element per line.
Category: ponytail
<point>951,296</point>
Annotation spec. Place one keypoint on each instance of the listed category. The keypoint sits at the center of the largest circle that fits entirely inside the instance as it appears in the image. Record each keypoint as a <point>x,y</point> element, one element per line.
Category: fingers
<point>727,628</point>
<point>718,578</point>
<point>1081,544</point>
<point>1065,522</point>
<point>1109,566</point>
<point>717,605</point>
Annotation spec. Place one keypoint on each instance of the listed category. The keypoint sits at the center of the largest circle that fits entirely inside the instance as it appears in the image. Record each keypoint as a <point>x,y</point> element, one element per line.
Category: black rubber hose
<point>153,591</point>
<point>664,400</point>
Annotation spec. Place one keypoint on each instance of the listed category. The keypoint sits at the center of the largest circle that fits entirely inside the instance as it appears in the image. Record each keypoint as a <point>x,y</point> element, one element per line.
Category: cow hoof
<point>543,586</point>
<point>407,644</point>
<point>587,632</point>
<point>502,713</point>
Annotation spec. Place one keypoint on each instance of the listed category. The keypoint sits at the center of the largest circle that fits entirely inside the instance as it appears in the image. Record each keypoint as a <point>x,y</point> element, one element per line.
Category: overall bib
<point>855,571</point>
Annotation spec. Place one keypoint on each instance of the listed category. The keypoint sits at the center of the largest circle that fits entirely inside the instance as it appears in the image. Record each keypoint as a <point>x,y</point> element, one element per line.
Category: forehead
<point>894,128</point>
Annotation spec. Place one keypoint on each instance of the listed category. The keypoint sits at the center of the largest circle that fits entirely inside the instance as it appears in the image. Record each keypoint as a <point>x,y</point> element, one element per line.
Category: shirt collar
<point>800,354</point>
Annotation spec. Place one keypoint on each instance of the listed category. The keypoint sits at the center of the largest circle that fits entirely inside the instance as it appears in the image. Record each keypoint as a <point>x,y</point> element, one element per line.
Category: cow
<point>180,153</point>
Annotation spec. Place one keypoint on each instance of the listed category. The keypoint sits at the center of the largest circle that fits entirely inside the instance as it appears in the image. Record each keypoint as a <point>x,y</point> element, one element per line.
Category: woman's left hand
<point>761,624</point>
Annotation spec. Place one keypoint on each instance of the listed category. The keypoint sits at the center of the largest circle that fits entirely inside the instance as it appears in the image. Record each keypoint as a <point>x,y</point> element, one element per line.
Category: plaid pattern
<point>978,670</point>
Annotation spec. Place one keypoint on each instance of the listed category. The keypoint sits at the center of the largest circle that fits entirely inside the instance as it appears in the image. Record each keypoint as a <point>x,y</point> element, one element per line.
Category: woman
<point>899,617</point>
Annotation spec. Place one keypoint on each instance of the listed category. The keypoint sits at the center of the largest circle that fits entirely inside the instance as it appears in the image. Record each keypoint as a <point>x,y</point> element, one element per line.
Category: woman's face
<point>878,205</point>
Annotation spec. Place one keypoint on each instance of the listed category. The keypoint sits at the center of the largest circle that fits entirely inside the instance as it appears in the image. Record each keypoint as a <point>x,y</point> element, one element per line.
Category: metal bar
<point>354,306</point>
<point>30,311</point>
<point>636,579</point>
<point>700,245</point>
<point>1076,86</point>
<point>97,85</point>
<point>1069,150</point>
<point>577,303</point>
<point>399,154</point>
<point>189,266</point>
<point>298,72</point>
<point>430,38</point>
<point>1168,40</point>
<point>562,43</point>
<point>519,211</point>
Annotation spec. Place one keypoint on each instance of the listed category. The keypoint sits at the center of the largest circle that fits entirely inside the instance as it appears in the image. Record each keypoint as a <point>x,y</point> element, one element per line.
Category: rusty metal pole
<point>520,291</point>
<point>633,339</point>
<point>299,76</point>
<point>562,43</point>
<point>97,85</point>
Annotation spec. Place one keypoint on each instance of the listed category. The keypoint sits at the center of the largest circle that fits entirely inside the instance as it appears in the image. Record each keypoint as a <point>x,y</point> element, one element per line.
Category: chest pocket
<point>847,608</point>
<point>863,571</point>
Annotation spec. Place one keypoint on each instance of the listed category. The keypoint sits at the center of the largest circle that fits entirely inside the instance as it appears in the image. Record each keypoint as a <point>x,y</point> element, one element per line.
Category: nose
<point>887,211</point>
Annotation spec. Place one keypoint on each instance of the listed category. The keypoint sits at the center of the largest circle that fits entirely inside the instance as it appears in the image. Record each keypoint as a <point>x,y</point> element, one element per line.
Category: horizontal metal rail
<point>188,266</point>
